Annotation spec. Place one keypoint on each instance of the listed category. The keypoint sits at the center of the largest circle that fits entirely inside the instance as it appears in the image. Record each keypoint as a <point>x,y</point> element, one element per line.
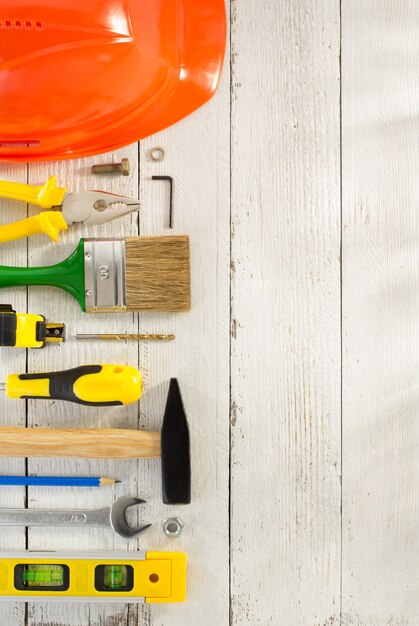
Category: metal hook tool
<point>170,180</point>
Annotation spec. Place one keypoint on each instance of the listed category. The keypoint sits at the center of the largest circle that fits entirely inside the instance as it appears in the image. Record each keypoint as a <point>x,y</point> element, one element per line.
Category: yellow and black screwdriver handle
<point>27,330</point>
<point>91,385</point>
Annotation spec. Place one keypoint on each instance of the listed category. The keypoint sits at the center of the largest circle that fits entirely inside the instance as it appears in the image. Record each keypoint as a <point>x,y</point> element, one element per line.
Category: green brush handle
<point>67,275</point>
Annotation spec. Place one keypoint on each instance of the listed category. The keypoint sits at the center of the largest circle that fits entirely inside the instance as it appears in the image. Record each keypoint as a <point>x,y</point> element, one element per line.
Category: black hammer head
<point>175,455</point>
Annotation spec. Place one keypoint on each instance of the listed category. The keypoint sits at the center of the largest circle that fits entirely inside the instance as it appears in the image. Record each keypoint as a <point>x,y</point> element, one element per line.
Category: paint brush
<point>116,275</point>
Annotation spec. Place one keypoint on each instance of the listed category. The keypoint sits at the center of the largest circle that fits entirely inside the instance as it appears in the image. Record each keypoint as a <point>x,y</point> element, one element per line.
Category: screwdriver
<point>91,385</point>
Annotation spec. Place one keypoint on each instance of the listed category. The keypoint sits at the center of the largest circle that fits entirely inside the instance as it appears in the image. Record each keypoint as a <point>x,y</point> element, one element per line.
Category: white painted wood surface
<point>380,100</point>
<point>304,310</point>
<point>285,367</point>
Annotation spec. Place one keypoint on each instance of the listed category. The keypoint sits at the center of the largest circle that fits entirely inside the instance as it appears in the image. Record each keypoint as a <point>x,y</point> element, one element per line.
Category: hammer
<point>172,444</point>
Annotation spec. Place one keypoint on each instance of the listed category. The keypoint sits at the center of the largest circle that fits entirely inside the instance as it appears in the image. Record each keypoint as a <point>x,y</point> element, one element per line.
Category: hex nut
<point>172,527</point>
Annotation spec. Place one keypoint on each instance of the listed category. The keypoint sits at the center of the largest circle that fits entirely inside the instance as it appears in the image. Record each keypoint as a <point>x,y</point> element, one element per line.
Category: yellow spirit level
<point>139,577</point>
<point>26,330</point>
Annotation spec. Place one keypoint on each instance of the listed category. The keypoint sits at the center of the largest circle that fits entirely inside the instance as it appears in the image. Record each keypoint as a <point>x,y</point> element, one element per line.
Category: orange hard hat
<point>79,78</point>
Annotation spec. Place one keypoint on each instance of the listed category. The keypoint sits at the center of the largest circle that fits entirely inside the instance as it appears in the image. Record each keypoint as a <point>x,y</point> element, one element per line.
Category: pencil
<point>57,481</point>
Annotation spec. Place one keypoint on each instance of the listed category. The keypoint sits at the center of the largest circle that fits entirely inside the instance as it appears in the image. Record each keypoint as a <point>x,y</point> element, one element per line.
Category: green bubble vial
<point>115,577</point>
<point>37,575</point>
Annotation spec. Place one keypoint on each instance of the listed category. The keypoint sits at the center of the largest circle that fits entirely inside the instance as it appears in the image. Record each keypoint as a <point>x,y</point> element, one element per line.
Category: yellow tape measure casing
<point>26,330</point>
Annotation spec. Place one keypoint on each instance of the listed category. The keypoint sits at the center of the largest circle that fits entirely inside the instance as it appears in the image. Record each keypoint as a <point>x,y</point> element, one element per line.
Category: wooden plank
<point>12,360</point>
<point>285,345</point>
<point>380,304</point>
<point>56,305</point>
<point>197,157</point>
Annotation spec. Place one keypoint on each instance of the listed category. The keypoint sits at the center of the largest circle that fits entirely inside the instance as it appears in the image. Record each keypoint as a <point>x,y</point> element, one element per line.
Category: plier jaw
<point>96,207</point>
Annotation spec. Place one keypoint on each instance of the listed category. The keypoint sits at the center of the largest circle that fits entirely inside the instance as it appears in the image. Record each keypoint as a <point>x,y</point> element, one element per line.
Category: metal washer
<point>157,153</point>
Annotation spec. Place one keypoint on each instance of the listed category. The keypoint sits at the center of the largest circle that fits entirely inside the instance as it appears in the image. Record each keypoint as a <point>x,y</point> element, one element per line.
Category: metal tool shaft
<point>41,517</point>
<point>112,517</point>
<point>128,336</point>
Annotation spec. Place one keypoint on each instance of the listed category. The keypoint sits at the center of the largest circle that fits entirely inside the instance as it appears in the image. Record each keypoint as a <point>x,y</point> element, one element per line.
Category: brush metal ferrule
<point>104,275</point>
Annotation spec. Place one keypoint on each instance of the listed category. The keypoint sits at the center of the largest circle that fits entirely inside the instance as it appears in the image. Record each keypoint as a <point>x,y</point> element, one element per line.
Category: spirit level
<point>149,577</point>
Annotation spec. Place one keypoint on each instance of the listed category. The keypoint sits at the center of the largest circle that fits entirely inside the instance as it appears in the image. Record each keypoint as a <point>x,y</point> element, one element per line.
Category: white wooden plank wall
<point>331,536</point>
<point>285,367</point>
<point>380,99</point>
<point>304,245</point>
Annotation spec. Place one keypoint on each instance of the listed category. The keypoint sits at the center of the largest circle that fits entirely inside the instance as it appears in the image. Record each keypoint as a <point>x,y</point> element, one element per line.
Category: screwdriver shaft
<point>132,336</point>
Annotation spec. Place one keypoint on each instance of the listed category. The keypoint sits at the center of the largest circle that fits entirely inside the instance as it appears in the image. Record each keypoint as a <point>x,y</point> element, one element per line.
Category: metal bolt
<point>123,168</point>
<point>172,527</point>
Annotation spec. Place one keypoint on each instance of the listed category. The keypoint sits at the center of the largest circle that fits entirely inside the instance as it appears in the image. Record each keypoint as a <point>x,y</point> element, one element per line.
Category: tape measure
<point>139,577</point>
<point>26,330</point>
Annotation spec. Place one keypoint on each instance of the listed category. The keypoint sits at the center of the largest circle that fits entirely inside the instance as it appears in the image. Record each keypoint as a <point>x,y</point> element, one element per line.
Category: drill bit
<point>131,337</point>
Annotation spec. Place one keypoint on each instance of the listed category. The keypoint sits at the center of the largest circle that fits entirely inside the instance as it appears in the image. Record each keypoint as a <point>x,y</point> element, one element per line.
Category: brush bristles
<point>157,273</point>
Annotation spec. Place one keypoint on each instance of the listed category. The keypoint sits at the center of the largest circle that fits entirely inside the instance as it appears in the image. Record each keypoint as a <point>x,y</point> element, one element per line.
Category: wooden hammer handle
<point>89,443</point>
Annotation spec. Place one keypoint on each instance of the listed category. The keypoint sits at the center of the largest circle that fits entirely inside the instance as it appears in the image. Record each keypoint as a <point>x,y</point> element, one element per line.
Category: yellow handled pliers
<point>89,207</point>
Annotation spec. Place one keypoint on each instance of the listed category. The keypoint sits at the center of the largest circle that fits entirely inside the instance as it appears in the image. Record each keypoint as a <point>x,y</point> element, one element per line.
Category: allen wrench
<point>170,180</point>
